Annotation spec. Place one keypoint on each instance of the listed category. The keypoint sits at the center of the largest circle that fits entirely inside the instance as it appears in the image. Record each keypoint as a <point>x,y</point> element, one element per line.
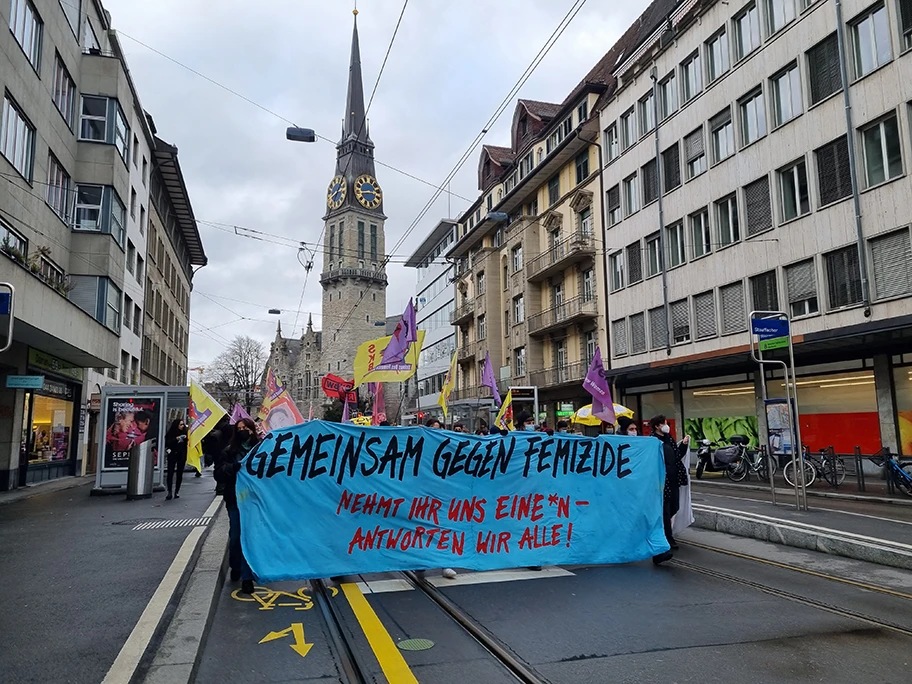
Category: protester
<point>562,426</point>
<point>627,426</point>
<point>458,427</point>
<point>525,421</point>
<point>670,495</point>
<point>432,423</point>
<point>384,423</point>
<point>176,455</point>
<point>684,518</point>
<point>226,469</point>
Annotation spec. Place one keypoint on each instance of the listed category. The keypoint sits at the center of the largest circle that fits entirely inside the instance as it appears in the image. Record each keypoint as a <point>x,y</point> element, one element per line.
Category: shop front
<point>902,383</point>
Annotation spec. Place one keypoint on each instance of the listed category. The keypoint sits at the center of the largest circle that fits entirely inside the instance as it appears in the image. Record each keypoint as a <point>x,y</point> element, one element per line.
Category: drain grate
<point>160,524</point>
<point>137,521</point>
<point>415,645</point>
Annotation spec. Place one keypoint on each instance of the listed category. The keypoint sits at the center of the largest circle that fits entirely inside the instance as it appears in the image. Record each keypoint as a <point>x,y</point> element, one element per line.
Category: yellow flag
<point>205,413</point>
<point>448,384</point>
<point>505,417</point>
<point>371,352</point>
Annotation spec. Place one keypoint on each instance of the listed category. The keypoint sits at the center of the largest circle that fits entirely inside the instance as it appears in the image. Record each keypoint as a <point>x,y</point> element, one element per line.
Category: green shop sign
<point>40,360</point>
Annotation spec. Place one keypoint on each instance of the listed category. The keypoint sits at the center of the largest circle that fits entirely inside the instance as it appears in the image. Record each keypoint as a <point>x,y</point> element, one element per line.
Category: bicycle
<point>752,462</point>
<point>830,467</point>
<point>900,474</point>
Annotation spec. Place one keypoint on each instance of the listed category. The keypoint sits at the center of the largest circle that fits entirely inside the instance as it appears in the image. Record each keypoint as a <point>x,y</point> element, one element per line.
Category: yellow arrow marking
<point>300,646</point>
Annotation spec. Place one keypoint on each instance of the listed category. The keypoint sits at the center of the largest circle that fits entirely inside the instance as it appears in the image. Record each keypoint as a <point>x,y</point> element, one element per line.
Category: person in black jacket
<point>227,466</point>
<point>176,455</point>
<point>671,454</point>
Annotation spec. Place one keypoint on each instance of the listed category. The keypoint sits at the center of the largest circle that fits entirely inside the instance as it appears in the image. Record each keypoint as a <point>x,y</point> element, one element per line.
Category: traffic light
<point>420,415</point>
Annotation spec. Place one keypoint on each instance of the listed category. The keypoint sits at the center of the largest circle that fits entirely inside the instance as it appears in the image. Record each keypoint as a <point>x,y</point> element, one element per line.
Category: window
<point>72,9</point>
<point>843,277</point>
<point>891,257</point>
<point>779,13</point>
<point>727,220</point>
<point>93,121</point>
<point>131,255</point>
<point>833,171</point>
<point>480,283</point>
<point>680,322</point>
<point>17,138</point>
<point>882,152</point>
<point>723,136</point>
<point>332,243</point>
<point>757,207</point>
<point>671,168</point>
<point>132,203</point>
<point>88,207</point>
<point>612,146</point>
<point>519,310</point>
<point>58,188</point>
<point>753,118</point>
<point>695,153</point>
<point>823,69</point>
<point>628,129</point>
<point>668,96</point>
<point>137,319</point>
<point>764,292</point>
<point>590,342</point>
<point>731,299</point>
<point>361,241</point>
<point>716,56</point>
<point>373,242</point>
<point>145,171</point>
<point>121,134</point>
<point>801,286</point>
<point>905,22</point>
<point>619,337</point>
<point>588,285</point>
<point>118,219</point>
<point>647,114</point>
<point>634,263</point>
<point>650,182</point>
<point>653,256</point>
<point>658,328</point>
<point>519,361</point>
<point>705,315</point>
<point>614,205</point>
<point>584,219</point>
<point>89,39</point>
<point>481,328</point>
<point>691,78</point>
<point>582,166</point>
<point>674,244</point>
<point>616,263</point>
<point>140,268</point>
<point>64,92</point>
<point>112,310</point>
<point>11,240</point>
<point>786,89</point>
<point>553,190</point>
<point>26,27</point>
<point>793,191</point>
<point>582,111</point>
<point>128,312</point>
<point>871,42</point>
<point>638,333</point>
<point>135,151</point>
<point>700,236</point>
<point>631,195</point>
<point>517,255</point>
<point>142,220</point>
<point>747,31</point>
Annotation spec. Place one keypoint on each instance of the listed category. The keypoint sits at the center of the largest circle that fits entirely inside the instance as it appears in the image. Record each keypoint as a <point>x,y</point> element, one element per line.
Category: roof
<point>499,155</point>
<point>430,242</point>
<point>540,110</point>
<point>173,180</point>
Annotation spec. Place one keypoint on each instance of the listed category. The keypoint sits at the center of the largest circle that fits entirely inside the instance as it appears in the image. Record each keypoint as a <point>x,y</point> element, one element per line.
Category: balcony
<point>562,315</point>
<point>368,274</point>
<point>463,313</point>
<point>578,247</point>
<point>572,373</point>
<point>467,351</point>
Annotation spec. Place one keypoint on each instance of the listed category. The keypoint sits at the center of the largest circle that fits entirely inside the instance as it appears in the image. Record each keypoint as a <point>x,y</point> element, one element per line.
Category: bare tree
<point>234,375</point>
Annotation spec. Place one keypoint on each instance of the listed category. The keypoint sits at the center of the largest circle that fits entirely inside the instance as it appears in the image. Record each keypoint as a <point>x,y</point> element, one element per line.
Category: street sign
<point>24,381</point>
<point>773,343</point>
<point>5,303</point>
<point>768,328</point>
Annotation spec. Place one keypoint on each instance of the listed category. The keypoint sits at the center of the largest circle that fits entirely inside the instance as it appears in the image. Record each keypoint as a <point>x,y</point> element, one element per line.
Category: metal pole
<point>768,452</point>
<point>655,112</point>
<point>797,421</point>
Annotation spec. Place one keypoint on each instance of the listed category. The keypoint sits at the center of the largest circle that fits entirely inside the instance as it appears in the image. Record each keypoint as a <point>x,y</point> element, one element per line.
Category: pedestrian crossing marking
<point>169,524</point>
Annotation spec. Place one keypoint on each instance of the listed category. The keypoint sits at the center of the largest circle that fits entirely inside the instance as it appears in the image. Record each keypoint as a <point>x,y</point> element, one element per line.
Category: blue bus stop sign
<point>768,328</point>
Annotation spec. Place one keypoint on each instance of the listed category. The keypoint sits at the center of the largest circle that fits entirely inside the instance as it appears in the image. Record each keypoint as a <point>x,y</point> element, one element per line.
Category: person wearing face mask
<point>562,426</point>
<point>176,455</point>
<point>671,453</point>
<point>525,421</point>
<point>244,441</point>
<point>627,426</point>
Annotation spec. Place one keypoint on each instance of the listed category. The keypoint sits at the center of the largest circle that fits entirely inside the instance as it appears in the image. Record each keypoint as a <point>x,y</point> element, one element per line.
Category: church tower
<point>354,277</point>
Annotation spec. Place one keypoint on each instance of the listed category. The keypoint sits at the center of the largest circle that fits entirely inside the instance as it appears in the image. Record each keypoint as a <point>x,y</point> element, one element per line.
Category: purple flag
<point>345,412</point>
<point>237,413</point>
<point>488,379</point>
<point>597,385</point>
<point>405,333</point>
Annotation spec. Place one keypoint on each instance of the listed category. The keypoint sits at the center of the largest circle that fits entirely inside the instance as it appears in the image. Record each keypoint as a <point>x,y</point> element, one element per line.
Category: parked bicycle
<point>752,461</point>
<point>900,474</point>
<point>829,466</point>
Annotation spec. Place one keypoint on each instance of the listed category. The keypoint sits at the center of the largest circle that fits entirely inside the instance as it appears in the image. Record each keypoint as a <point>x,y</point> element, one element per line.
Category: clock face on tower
<point>335,195</point>
<point>368,191</point>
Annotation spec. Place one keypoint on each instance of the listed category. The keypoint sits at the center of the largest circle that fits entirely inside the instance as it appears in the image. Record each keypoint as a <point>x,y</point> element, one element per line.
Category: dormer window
<point>523,127</point>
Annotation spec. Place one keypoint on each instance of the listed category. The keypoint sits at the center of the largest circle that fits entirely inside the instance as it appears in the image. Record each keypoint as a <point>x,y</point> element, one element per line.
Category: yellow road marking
<point>390,658</point>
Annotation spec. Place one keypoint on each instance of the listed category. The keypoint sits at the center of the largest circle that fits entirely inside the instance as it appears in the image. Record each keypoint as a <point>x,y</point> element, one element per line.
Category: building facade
<point>732,178</point>
<point>354,275</point>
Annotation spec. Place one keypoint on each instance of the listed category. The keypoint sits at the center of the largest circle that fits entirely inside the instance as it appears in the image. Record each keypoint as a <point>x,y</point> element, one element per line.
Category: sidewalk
<point>873,532</point>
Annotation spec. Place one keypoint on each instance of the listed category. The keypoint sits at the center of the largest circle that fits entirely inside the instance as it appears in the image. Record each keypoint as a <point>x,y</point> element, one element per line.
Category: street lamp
<point>300,134</point>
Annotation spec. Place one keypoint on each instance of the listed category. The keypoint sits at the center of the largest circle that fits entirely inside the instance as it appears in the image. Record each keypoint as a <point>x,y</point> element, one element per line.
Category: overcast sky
<point>452,63</point>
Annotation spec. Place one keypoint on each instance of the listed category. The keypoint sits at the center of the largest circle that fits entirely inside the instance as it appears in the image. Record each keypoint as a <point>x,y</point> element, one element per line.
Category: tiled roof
<point>541,110</point>
<point>500,155</point>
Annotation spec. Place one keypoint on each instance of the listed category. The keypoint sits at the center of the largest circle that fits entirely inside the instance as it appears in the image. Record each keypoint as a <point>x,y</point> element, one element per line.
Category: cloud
<point>451,65</point>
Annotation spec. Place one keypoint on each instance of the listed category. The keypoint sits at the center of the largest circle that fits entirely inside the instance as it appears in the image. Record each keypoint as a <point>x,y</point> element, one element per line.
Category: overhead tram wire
<point>536,61</point>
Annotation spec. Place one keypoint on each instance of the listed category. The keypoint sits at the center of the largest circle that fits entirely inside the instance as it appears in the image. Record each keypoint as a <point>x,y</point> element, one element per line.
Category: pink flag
<point>405,333</point>
<point>345,412</point>
<point>378,413</point>
<point>488,379</point>
<point>310,414</point>
<point>597,385</point>
<point>239,413</point>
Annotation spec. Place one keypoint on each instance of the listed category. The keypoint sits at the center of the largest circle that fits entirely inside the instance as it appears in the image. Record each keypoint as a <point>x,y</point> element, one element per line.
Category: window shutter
<point>721,119</point>
<point>650,182</point>
<point>732,301</point>
<point>638,333</point>
<point>634,263</point>
<point>833,171</point>
<point>680,321</point>
<point>892,257</point>
<point>619,337</point>
<point>800,281</point>
<point>693,145</point>
<point>905,15</point>
<point>671,163</point>
<point>759,210</point>
<point>764,292</point>
<point>705,313</point>
<point>85,293</point>
<point>823,69</point>
<point>614,198</point>
<point>658,327</point>
<point>843,277</point>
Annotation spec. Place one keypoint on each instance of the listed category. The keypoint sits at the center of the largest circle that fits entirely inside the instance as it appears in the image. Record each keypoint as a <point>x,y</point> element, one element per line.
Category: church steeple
<point>355,125</point>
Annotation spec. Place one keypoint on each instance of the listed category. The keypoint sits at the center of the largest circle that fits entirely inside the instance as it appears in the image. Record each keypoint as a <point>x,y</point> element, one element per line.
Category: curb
<point>176,659</point>
<point>781,491</point>
<point>801,536</point>
<point>46,487</point>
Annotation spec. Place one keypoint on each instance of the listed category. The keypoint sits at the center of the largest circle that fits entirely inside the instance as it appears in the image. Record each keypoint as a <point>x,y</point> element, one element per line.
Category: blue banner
<point>326,499</point>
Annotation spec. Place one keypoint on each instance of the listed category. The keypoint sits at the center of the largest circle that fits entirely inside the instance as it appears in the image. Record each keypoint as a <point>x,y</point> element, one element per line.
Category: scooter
<point>723,459</point>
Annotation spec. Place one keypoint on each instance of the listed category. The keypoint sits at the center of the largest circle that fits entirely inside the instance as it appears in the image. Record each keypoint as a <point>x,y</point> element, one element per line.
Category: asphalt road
<point>75,579</point>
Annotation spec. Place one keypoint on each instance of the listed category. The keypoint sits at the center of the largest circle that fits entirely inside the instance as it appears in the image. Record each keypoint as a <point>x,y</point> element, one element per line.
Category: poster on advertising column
<point>129,421</point>
<point>326,499</point>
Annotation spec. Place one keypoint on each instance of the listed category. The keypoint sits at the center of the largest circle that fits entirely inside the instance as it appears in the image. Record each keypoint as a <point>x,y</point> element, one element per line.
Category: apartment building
<point>74,142</point>
<point>435,304</point>
<point>730,171</point>
<point>529,259</point>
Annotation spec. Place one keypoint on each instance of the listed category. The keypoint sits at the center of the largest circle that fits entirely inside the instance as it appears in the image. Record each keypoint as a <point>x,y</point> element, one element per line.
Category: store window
<point>47,425</point>
<point>902,381</point>
<point>716,413</point>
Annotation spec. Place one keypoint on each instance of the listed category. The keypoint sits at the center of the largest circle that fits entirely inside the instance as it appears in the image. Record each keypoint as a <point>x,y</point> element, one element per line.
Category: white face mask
<point>632,433</point>
<point>561,429</point>
<point>665,429</point>
<point>529,427</point>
